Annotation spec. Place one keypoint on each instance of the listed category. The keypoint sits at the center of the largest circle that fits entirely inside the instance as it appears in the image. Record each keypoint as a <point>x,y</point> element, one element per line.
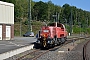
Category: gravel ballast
<point>75,53</point>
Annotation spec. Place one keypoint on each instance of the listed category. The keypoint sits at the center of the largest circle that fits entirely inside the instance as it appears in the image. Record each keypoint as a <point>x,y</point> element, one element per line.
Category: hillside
<point>36,25</point>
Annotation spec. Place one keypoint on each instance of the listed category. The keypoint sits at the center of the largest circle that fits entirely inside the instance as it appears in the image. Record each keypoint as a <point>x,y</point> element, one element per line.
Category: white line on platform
<point>15,44</point>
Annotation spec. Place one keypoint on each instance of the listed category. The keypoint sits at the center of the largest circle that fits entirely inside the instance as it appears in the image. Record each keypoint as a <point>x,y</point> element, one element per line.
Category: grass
<point>78,30</point>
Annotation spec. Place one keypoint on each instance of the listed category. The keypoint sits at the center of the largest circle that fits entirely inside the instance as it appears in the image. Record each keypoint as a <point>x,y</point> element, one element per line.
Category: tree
<point>44,11</point>
<point>40,9</point>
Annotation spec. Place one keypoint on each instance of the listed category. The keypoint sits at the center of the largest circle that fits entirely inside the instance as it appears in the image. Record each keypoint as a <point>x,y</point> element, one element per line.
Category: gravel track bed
<point>62,53</point>
<point>88,51</point>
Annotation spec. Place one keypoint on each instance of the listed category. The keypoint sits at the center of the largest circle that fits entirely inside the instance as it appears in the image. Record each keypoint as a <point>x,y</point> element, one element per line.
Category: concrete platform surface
<point>9,48</point>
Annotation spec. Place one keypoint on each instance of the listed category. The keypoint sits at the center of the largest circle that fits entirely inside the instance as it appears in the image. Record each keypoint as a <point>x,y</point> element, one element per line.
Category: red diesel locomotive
<point>49,36</point>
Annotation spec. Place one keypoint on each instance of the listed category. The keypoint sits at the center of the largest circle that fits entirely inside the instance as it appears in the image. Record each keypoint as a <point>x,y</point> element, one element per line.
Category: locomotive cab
<point>44,40</point>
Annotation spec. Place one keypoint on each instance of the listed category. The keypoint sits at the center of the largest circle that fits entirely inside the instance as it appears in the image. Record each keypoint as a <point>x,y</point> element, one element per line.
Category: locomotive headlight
<point>49,42</point>
<point>44,35</point>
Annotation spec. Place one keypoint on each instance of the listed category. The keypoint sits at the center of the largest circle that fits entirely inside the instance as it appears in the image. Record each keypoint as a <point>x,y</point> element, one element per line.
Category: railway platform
<point>9,48</point>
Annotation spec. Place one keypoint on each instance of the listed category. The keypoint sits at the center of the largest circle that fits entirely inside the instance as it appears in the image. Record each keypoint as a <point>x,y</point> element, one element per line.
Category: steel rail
<point>85,56</point>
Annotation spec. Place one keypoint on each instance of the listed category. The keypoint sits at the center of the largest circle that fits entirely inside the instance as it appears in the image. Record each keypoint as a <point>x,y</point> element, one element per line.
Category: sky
<point>81,4</point>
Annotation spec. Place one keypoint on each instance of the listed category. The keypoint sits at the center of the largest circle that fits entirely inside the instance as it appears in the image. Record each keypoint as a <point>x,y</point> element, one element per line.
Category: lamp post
<point>71,23</point>
<point>29,16</point>
<point>66,23</point>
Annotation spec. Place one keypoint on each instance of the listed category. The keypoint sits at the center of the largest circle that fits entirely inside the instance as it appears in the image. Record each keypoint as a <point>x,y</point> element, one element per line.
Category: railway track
<point>85,52</point>
<point>33,55</point>
<point>38,52</point>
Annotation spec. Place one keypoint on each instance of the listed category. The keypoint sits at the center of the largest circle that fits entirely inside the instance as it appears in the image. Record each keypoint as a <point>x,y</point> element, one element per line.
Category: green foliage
<point>76,29</point>
<point>88,30</point>
<point>40,9</point>
<point>26,22</point>
<point>45,10</point>
<point>36,25</point>
<point>16,33</point>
